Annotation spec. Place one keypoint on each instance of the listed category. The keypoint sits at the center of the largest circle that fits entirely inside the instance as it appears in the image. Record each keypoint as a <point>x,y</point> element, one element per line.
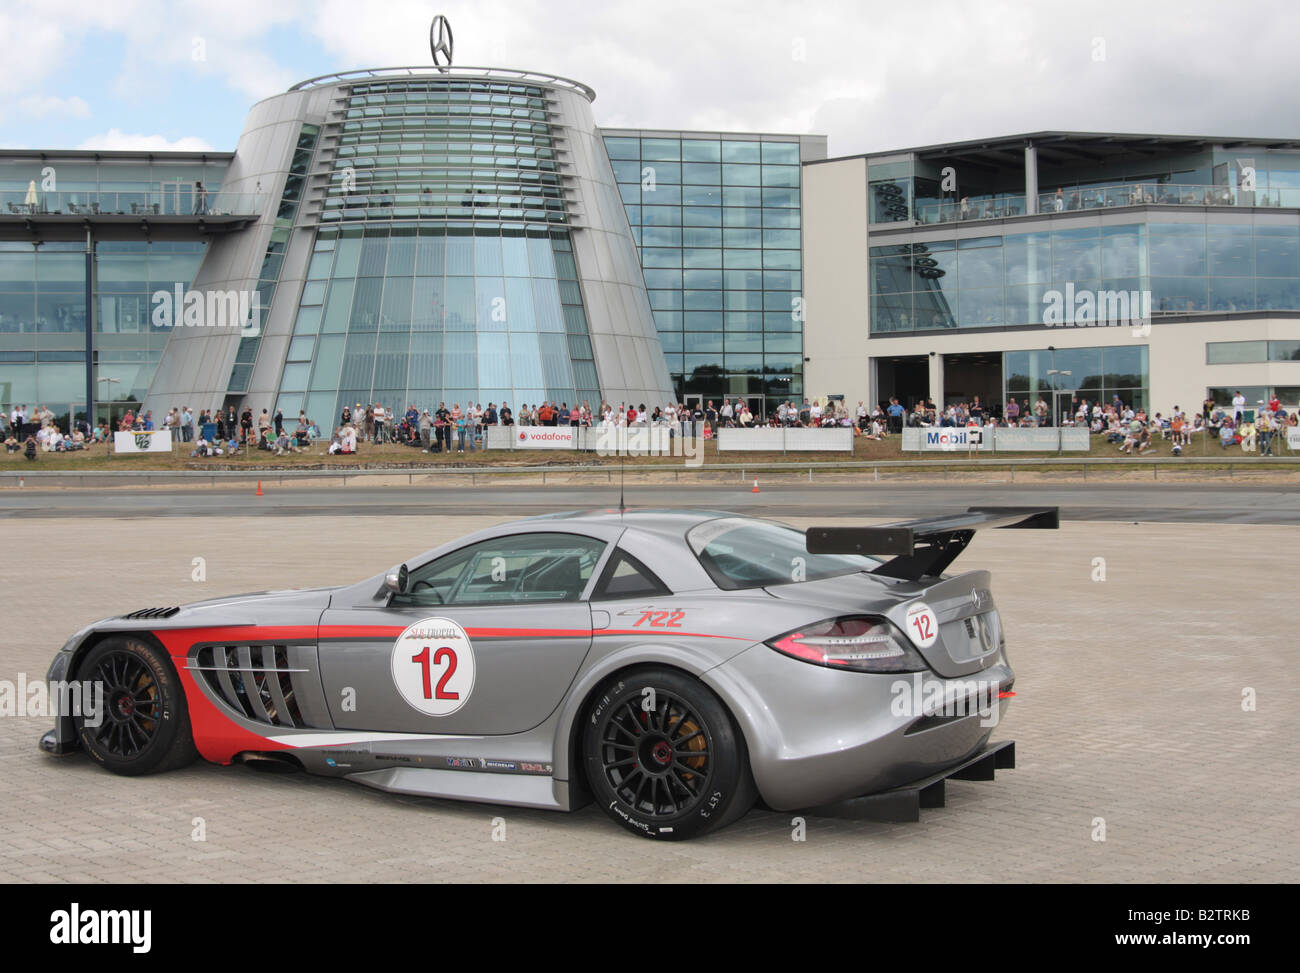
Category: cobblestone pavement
<point>1129,710</point>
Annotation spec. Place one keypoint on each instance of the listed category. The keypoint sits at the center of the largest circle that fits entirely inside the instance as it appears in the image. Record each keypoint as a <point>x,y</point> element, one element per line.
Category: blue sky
<point>135,74</point>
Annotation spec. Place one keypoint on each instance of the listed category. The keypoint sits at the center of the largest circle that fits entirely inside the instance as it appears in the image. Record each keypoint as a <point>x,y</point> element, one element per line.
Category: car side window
<point>626,577</point>
<point>517,568</point>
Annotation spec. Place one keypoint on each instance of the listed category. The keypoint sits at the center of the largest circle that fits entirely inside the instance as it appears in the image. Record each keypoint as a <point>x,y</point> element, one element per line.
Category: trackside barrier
<point>992,439</point>
<point>741,472</point>
<point>605,440</point>
<point>786,440</point>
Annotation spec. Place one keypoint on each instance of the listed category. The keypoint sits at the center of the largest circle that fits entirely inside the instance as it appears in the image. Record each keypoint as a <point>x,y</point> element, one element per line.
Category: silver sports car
<point>673,666</point>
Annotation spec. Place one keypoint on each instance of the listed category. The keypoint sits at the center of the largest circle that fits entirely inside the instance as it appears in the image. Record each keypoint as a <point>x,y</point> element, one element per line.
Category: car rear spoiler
<point>925,548</point>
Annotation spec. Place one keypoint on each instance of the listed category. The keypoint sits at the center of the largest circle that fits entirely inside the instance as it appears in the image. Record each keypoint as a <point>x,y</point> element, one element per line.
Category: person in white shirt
<point>1238,406</point>
<point>727,412</point>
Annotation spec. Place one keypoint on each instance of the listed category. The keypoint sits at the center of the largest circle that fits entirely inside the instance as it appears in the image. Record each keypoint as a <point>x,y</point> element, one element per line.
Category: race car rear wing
<point>924,548</point>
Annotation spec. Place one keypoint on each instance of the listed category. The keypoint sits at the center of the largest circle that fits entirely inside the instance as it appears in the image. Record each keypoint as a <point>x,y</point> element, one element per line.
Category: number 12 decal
<point>432,665</point>
<point>922,625</point>
<point>446,652</point>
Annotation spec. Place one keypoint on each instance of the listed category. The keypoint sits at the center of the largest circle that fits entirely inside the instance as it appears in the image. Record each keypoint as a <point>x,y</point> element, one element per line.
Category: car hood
<point>297,607</point>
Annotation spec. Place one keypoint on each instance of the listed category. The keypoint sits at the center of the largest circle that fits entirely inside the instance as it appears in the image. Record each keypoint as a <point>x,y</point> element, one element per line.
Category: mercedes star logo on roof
<point>440,41</point>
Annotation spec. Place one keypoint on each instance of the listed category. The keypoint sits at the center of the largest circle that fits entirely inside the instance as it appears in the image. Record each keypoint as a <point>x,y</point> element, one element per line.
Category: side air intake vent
<point>259,682</point>
<point>153,613</point>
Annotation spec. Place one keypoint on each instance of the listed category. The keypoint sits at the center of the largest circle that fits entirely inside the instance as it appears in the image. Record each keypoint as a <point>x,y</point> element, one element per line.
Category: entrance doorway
<point>968,376</point>
<point>906,378</point>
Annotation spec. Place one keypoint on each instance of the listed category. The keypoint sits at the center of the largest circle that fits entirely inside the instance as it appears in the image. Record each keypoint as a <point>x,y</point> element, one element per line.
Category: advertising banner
<point>157,441</point>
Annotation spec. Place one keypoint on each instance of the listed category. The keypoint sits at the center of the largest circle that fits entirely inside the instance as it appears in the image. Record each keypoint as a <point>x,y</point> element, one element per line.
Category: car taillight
<point>863,644</point>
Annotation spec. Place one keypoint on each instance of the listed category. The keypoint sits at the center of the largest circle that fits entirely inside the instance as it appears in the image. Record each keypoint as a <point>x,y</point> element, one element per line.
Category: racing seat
<point>560,578</point>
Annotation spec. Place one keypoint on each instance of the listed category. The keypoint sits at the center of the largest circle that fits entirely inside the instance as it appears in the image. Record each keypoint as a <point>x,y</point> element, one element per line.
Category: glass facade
<point>443,270</point>
<point>718,225</point>
<point>1095,374</point>
<point>1240,352</point>
<point>43,321</point>
<point>1001,281</point>
<point>914,189</point>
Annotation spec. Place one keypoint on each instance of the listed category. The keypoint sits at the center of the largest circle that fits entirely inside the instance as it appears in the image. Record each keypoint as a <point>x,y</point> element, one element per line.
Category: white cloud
<point>115,140</point>
<point>45,105</point>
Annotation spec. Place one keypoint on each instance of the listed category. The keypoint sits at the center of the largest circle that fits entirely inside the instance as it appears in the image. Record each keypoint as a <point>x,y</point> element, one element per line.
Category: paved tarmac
<point>1275,503</point>
<point>1129,718</point>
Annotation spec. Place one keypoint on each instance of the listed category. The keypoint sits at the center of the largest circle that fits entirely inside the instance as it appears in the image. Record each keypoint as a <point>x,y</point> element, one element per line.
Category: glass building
<point>1057,264</point>
<point>440,236</point>
<point>147,220</point>
<point>717,219</point>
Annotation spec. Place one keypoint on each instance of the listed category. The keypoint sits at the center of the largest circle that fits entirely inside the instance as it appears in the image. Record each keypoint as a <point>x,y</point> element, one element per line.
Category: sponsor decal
<point>921,625</point>
<point>526,767</point>
<point>433,666</point>
<point>498,764</point>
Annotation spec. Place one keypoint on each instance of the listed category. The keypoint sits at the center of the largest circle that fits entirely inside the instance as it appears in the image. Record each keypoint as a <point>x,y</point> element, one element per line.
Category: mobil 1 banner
<point>952,438</point>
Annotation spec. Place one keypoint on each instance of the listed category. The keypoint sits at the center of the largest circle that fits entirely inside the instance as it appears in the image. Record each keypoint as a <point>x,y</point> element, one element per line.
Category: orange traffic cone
<point>756,489</point>
<point>259,489</point>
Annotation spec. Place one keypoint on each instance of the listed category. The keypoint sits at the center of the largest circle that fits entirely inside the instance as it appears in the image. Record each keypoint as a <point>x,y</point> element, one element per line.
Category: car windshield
<point>738,552</point>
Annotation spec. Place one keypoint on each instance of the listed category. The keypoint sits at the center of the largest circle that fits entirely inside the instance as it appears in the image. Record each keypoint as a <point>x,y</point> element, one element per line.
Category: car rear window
<point>739,552</point>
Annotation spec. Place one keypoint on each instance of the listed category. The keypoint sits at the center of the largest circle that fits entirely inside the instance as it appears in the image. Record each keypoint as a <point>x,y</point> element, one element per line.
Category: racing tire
<point>144,726</point>
<point>663,756</point>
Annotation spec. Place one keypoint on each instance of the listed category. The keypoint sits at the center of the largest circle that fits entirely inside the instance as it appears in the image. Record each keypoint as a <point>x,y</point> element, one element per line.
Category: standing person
<point>895,413</point>
<point>505,415</point>
<point>426,430</point>
<point>472,417</point>
<point>442,424</point>
<point>1238,406</point>
<point>458,423</point>
<point>369,427</point>
<point>263,426</point>
<point>279,423</point>
<point>187,425</point>
<point>200,200</point>
<point>246,425</point>
<point>232,423</point>
<point>381,417</point>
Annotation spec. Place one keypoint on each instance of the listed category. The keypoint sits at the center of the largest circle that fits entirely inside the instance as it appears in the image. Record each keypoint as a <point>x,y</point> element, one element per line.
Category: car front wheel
<point>141,725</point>
<point>664,758</point>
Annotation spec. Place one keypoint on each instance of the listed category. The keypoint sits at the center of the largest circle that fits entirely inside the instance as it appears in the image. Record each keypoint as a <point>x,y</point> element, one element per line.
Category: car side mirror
<point>395,581</point>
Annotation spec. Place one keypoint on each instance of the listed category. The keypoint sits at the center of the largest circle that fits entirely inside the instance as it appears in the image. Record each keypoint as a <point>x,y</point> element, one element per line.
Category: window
<point>741,553</point>
<point>626,577</point>
<point>506,570</point>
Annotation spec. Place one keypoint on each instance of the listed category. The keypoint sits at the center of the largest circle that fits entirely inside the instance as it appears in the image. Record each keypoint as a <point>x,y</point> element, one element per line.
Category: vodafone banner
<point>544,437</point>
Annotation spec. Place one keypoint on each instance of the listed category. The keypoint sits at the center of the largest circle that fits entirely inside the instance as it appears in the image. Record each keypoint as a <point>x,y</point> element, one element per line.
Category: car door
<point>484,640</point>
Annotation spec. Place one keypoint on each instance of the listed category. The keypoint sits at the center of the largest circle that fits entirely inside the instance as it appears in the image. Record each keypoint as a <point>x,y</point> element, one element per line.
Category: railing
<point>1103,197</point>
<point>453,71</point>
<point>976,208</point>
<point>184,202</point>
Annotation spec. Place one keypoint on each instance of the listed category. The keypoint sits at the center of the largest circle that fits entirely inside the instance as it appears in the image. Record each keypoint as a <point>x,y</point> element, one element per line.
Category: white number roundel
<point>433,666</point>
<point>922,625</point>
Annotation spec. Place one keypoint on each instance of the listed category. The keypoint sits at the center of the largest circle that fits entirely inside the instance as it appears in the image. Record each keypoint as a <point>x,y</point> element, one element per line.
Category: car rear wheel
<point>664,758</point>
<point>143,724</point>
